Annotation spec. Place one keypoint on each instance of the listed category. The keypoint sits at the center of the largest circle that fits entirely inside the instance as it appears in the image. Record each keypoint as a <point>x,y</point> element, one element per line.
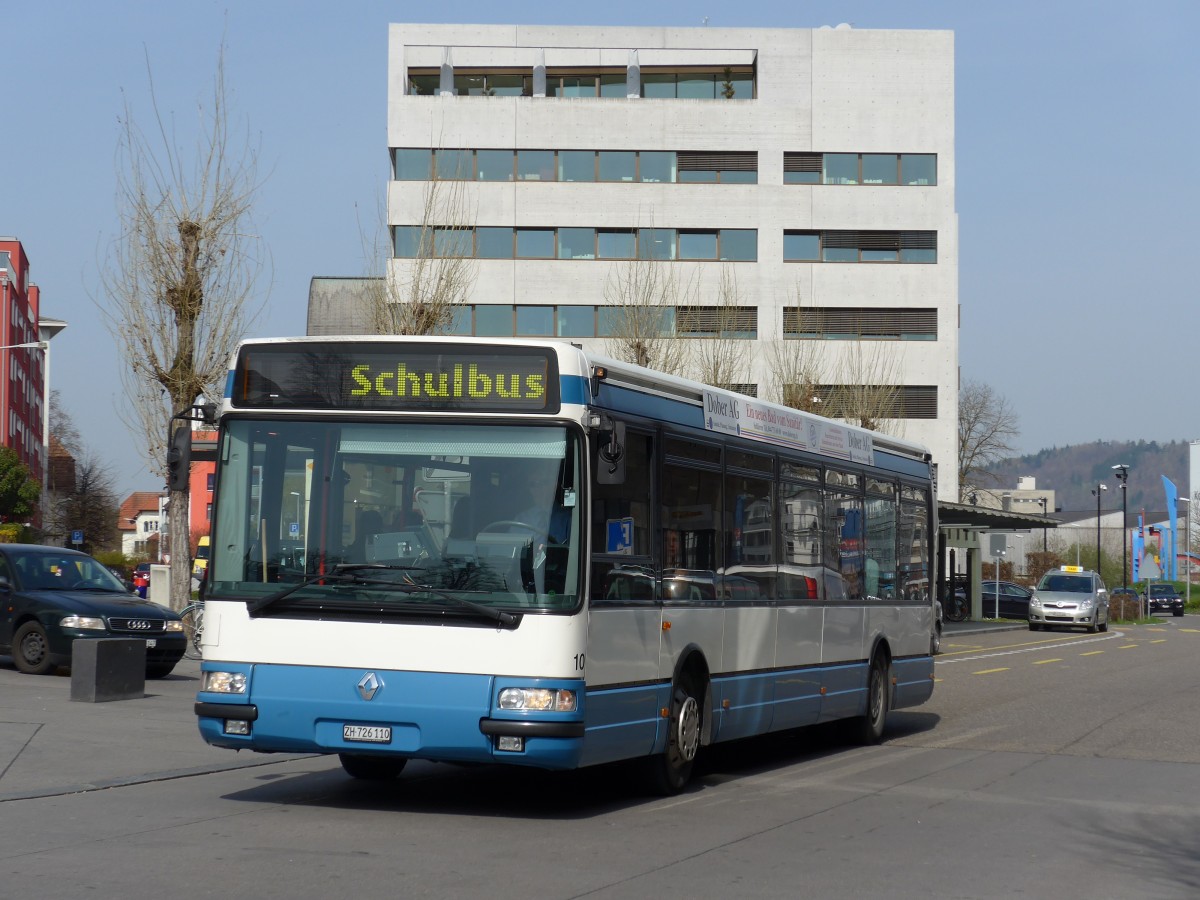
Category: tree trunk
<point>180,548</point>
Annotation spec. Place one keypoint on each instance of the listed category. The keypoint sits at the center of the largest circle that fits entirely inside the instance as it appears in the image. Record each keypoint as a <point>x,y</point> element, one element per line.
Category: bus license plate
<point>370,734</point>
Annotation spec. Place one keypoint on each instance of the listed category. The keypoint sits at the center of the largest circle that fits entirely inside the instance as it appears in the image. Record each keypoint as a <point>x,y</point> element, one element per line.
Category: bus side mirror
<point>179,459</point>
<point>610,454</point>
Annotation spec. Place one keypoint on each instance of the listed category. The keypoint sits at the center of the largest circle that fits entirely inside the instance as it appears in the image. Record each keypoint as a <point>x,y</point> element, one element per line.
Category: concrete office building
<point>815,168</point>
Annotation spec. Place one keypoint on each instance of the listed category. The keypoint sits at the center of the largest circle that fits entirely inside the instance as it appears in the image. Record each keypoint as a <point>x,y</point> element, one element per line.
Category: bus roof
<point>727,407</point>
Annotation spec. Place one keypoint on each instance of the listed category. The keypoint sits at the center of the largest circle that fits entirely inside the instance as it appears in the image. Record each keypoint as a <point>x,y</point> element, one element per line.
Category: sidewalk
<point>51,745</point>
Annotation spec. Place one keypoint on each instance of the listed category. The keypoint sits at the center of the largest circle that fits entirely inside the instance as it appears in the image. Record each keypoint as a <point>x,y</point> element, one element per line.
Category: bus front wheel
<point>672,769</point>
<point>372,768</point>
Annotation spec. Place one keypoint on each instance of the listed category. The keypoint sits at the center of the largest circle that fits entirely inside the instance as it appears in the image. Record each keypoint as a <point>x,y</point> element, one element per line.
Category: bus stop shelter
<point>962,543</point>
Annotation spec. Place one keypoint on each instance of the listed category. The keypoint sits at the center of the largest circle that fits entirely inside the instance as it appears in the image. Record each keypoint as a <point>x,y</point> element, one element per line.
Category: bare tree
<point>722,359</point>
<point>986,426</point>
<point>867,389</point>
<point>180,277</point>
<point>422,297</point>
<point>794,367</point>
<point>641,297</point>
<point>861,385</point>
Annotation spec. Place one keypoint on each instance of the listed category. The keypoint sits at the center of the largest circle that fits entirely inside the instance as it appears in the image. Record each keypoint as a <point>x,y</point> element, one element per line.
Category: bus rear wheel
<point>372,768</point>
<point>671,770</point>
<point>868,728</point>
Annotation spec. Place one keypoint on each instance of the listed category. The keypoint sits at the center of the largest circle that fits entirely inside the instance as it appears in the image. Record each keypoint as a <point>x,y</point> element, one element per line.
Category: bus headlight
<point>83,623</point>
<point>225,682</point>
<point>544,699</point>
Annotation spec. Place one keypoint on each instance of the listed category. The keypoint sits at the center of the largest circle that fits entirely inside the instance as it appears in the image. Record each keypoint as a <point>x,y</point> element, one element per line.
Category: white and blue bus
<point>516,552</point>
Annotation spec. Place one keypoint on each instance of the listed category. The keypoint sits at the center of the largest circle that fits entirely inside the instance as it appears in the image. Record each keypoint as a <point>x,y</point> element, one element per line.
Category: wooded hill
<point>1073,471</point>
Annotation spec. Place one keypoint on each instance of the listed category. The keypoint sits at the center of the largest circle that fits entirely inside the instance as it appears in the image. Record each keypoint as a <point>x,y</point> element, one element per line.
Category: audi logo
<point>139,625</point>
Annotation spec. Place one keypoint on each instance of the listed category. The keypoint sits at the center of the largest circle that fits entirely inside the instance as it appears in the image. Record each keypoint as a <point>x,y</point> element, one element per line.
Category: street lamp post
<point>1122,473</point>
<point>1101,486</point>
<point>1044,502</point>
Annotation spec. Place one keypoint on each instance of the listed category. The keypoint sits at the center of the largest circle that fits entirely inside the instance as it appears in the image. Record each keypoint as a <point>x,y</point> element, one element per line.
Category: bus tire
<point>670,771</point>
<point>868,728</point>
<point>372,768</point>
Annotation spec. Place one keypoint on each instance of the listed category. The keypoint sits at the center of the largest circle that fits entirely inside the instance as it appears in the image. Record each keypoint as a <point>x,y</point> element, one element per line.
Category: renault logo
<point>369,686</point>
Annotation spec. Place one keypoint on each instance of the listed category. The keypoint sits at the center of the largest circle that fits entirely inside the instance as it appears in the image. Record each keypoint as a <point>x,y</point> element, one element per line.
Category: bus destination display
<point>306,375</point>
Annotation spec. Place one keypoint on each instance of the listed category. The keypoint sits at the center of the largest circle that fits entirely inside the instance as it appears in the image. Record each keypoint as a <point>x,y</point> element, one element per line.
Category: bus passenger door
<point>624,617</point>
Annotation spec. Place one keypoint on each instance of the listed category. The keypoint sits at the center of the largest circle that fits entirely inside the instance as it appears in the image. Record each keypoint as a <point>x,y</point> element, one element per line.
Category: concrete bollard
<point>108,669</point>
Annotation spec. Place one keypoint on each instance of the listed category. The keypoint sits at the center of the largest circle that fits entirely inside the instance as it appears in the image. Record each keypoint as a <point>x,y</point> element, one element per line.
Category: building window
<point>858,323</point>
<point>494,243</point>
<point>208,512</point>
<point>615,244</point>
<point>412,165</point>
<point>576,165</point>
<point>860,246</point>
<point>739,322</point>
<point>535,165</point>
<point>576,321</point>
<point>577,243</point>
<point>535,243</point>
<point>918,169</point>
<point>494,165</point>
<point>736,167</point>
<point>209,479</point>
<point>887,401</point>
<point>453,165</point>
<point>618,165</point>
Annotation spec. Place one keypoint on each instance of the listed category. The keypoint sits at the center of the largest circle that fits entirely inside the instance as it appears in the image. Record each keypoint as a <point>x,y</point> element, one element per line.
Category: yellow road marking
<point>990,671</point>
<point>1159,641</point>
<point>1192,630</point>
<point>1126,646</point>
<point>1042,662</point>
<point>1091,653</point>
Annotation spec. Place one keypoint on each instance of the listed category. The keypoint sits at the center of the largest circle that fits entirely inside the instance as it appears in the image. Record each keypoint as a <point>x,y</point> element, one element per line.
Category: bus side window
<point>620,525</point>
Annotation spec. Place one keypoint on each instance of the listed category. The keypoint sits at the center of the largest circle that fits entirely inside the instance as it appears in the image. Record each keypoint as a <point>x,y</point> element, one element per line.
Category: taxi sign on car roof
<point>1070,568</point>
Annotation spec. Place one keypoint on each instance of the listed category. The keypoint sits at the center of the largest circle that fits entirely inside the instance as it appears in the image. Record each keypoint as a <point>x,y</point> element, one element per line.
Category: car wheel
<point>670,770</point>
<point>1033,626</point>
<point>372,768</point>
<point>161,670</point>
<point>1179,613</point>
<point>31,650</point>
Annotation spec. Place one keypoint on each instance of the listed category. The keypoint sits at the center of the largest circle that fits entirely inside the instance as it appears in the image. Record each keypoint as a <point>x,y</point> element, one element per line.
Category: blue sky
<point>1077,138</point>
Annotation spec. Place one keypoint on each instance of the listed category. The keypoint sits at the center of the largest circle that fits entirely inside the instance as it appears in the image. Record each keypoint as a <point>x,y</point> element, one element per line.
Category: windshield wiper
<point>262,603</point>
<point>348,573</point>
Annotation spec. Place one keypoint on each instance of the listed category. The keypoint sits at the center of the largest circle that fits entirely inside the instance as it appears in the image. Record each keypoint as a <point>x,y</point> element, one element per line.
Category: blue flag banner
<point>1139,547</point>
<point>1172,502</point>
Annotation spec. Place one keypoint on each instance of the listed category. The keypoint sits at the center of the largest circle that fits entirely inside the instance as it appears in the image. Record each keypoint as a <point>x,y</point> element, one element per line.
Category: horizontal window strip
<point>858,321</point>
<point>716,321</point>
<point>884,401</point>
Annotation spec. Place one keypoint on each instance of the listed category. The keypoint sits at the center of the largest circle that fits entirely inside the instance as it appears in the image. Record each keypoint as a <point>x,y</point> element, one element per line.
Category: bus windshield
<point>339,518</point>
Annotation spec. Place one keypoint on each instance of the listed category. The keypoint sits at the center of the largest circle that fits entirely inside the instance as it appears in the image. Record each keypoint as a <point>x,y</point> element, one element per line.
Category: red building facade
<point>22,369</point>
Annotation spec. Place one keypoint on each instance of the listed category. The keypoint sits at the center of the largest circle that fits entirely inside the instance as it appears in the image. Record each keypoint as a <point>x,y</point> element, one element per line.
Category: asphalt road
<point>1046,765</point>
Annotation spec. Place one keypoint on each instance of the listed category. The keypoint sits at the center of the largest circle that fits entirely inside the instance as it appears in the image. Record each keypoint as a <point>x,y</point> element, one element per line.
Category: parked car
<point>51,597</point>
<point>1164,598</point>
<point>1069,596</point>
<point>1014,600</point>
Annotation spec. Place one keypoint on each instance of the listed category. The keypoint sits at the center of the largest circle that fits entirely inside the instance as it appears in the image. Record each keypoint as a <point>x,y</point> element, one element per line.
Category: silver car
<point>1069,596</point>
